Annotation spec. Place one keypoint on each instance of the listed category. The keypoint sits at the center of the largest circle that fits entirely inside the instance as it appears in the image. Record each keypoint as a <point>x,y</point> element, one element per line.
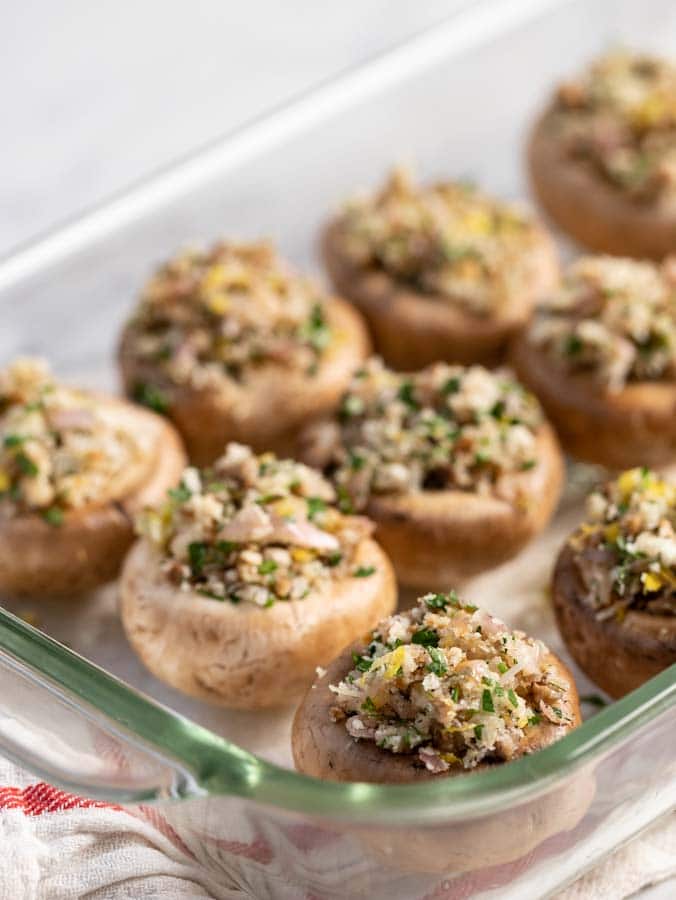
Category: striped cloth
<point>58,846</point>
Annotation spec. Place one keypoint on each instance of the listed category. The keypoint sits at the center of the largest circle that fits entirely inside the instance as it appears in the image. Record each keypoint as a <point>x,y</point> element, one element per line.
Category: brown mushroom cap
<point>444,537</point>
<point>631,427</point>
<point>266,410</point>
<point>325,749</point>
<point>593,211</point>
<point>88,547</point>
<point>411,329</point>
<point>244,656</point>
<point>617,655</point>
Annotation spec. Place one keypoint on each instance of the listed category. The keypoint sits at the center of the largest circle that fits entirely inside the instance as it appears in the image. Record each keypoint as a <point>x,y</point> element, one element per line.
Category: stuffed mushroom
<point>601,356</point>
<point>457,466</point>
<point>603,156</point>
<point>247,578</point>
<point>441,271</point>
<point>232,344</point>
<point>75,468</point>
<point>442,690</point>
<point>614,585</point>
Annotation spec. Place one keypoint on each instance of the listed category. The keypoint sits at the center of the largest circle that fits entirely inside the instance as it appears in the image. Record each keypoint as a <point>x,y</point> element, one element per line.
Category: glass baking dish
<point>455,100</point>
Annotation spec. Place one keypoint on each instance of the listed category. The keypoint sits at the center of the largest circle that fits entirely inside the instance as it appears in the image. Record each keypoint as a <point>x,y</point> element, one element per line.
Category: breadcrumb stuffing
<point>446,239</point>
<point>626,550</point>
<point>619,117</point>
<point>255,529</point>
<point>451,684</point>
<point>209,316</point>
<point>614,319</point>
<point>445,427</point>
<point>60,448</point>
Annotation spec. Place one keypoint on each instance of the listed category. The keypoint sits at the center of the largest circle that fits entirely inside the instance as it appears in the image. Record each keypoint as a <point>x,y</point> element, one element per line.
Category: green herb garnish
<point>53,516</point>
<point>315,505</point>
<point>363,571</point>
<point>427,637</point>
<point>197,556</point>
<point>487,701</point>
<point>150,396</point>
<point>26,464</point>
<point>361,663</point>
<point>438,665</point>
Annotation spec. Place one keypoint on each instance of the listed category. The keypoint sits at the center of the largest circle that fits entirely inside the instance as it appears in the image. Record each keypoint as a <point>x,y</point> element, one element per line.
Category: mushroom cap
<point>618,656</point>
<point>412,329</point>
<point>88,547</point>
<point>593,211</point>
<point>325,749</point>
<point>631,427</point>
<point>267,408</point>
<point>444,537</point>
<point>244,656</point>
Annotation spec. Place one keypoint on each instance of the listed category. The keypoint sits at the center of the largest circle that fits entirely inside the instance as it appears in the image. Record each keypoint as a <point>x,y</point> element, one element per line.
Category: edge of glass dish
<point>206,764</point>
<point>474,22</point>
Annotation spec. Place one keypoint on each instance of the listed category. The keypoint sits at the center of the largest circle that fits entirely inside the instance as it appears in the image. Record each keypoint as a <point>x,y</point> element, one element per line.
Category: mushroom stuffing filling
<point>451,684</point>
<point>614,319</point>
<point>210,315</point>
<point>446,239</point>
<point>620,118</point>
<point>446,427</point>
<point>255,529</point>
<point>59,447</point>
<point>626,552</point>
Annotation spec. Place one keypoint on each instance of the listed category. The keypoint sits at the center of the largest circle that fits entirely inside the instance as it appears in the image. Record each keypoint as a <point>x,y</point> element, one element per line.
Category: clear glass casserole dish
<point>454,100</point>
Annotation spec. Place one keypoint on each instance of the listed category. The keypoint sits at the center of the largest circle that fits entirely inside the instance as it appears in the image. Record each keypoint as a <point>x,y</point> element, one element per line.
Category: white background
<point>95,95</point>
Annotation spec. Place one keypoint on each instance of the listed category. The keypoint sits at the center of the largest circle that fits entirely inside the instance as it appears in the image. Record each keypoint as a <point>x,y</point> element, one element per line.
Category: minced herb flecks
<point>60,448</point>
<point>210,315</point>
<point>255,529</point>
<point>619,118</point>
<point>447,240</point>
<point>398,433</point>
<point>451,684</point>
<point>613,319</point>
<point>626,550</point>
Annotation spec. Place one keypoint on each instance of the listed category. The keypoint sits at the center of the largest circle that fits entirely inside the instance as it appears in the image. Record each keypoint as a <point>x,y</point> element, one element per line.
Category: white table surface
<point>97,95</point>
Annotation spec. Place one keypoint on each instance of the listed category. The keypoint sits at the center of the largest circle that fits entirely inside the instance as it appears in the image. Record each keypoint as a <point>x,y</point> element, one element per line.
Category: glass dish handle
<point>78,727</point>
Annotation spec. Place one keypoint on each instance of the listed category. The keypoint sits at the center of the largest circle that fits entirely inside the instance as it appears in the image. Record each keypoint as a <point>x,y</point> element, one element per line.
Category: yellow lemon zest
<point>651,581</point>
<point>611,532</point>
<point>218,303</point>
<point>284,507</point>
<point>450,758</point>
<point>478,221</point>
<point>302,554</point>
<point>391,662</point>
<point>629,481</point>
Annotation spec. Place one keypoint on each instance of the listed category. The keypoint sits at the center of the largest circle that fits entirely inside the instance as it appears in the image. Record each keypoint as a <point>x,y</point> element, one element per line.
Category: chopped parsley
<point>180,494</point>
<point>438,665</point>
<point>267,567</point>
<point>150,396</point>
<point>361,663</point>
<point>26,465</point>
<point>406,394</point>
<point>315,505</point>
<point>363,571</point>
<point>13,440</point>
<point>53,516</point>
<point>197,556</point>
<point>427,637</point>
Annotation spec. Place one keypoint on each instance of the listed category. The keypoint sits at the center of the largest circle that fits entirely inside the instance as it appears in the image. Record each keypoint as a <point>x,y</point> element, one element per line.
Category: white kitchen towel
<point>56,846</point>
